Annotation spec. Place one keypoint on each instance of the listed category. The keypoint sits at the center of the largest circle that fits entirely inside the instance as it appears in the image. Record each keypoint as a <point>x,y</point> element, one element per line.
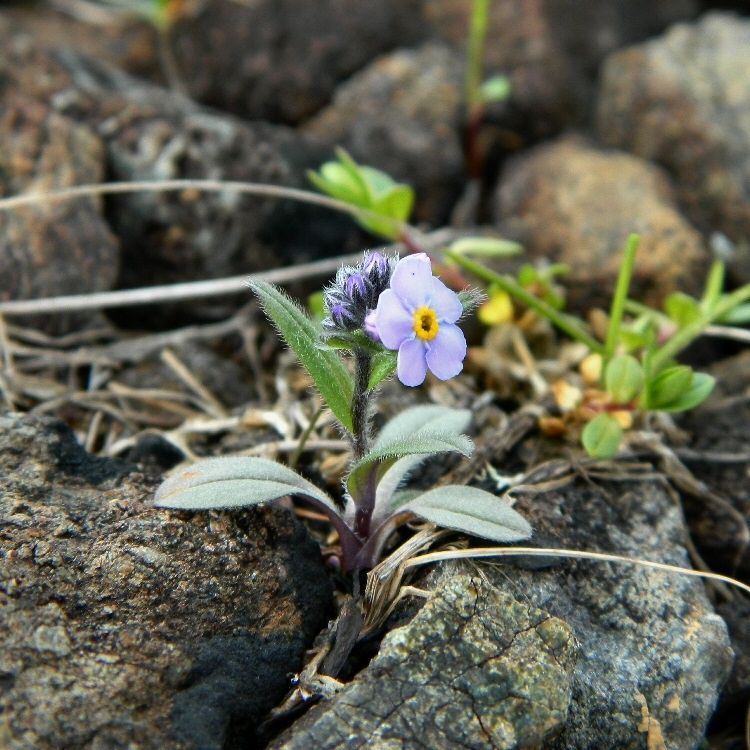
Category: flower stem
<point>566,323</point>
<point>621,295</point>
<point>361,403</point>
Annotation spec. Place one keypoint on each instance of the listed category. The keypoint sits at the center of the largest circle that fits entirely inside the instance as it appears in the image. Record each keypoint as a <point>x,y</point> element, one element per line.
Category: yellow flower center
<point>425,324</point>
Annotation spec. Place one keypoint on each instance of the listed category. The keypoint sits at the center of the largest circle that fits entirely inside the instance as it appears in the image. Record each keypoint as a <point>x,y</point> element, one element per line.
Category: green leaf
<point>377,181</point>
<point>486,247</point>
<point>495,89</point>
<point>232,482</point>
<point>384,364</point>
<point>699,390</point>
<point>428,417</point>
<point>714,286</point>
<point>602,435</point>
<point>395,206</point>
<point>382,457</point>
<point>340,182</point>
<point>682,309</point>
<point>739,315</point>
<point>302,335</point>
<point>623,378</point>
<point>389,484</point>
<point>472,511</point>
<point>668,386</point>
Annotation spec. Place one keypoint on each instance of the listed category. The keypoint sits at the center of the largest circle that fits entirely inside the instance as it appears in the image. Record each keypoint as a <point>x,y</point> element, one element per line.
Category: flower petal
<point>412,365</point>
<point>445,302</point>
<point>446,352</point>
<point>412,280</point>
<point>394,324</point>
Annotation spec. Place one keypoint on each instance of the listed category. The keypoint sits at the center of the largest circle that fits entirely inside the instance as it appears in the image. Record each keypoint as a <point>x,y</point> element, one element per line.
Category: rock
<point>729,719</point>
<point>402,114</point>
<point>280,61</point>
<point>653,655</point>
<point>451,678</point>
<point>151,134</point>
<point>683,101</point>
<point>65,248</point>
<point>719,517</point>
<point>117,38</point>
<point>125,625</point>
<point>572,203</point>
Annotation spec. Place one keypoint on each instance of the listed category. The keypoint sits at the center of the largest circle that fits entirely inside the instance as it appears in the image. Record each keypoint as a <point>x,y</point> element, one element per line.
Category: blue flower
<point>417,316</point>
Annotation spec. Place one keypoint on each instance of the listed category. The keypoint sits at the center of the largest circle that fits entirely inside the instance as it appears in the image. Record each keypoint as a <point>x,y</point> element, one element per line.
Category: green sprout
<point>386,203</point>
<point>479,93</point>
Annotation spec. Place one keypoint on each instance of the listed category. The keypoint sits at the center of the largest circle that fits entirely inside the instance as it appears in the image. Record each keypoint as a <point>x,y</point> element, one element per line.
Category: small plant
<point>479,93</point>
<point>387,316</point>
<point>634,368</point>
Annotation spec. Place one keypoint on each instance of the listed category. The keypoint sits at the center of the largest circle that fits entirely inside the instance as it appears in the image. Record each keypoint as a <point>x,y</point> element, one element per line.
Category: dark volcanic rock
<point>719,517</point>
<point>63,248</point>
<point>122,624</point>
<point>402,114</point>
<point>280,60</point>
<point>683,101</point>
<point>576,204</point>
<point>152,134</point>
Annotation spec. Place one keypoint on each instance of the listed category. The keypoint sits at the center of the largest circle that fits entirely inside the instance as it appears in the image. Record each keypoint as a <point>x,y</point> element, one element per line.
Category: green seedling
<point>388,203</point>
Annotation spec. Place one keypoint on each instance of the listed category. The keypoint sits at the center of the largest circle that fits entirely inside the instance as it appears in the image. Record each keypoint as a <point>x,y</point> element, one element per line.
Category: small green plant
<point>479,93</point>
<point>387,204</point>
<point>387,316</point>
<point>634,367</point>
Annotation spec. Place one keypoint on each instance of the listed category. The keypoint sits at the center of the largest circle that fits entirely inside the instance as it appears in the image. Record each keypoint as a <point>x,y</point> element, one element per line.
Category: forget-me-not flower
<point>417,316</point>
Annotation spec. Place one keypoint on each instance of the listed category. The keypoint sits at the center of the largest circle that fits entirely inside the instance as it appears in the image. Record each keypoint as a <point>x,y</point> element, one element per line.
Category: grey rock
<point>451,678</point>
<point>122,625</point>
<point>280,60</point>
<point>719,517</point>
<point>653,655</point>
<point>402,114</point>
<point>683,100</point>
<point>54,249</point>
<point>573,203</point>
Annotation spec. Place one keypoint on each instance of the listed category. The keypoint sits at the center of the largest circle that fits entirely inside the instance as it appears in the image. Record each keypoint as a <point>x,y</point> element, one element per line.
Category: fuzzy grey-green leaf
<point>432,417</point>
<point>419,443</point>
<point>228,482</point>
<point>472,511</point>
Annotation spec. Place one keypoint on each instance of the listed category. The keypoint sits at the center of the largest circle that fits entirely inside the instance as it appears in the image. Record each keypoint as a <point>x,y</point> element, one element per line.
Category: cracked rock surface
<point>653,654</point>
<point>126,626</point>
<point>474,669</point>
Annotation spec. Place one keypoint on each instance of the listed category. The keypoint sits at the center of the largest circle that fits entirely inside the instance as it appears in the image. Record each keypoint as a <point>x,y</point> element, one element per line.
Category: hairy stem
<point>361,403</point>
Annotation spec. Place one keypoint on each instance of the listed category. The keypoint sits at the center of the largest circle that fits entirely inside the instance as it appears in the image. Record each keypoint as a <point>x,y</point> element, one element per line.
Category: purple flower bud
<point>375,263</point>
<point>356,287</point>
<point>341,315</point>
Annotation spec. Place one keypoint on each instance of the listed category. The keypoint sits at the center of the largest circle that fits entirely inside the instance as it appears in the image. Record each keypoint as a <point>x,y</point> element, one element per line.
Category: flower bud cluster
<point>355,292</point>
